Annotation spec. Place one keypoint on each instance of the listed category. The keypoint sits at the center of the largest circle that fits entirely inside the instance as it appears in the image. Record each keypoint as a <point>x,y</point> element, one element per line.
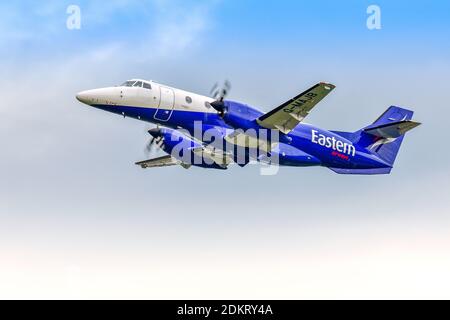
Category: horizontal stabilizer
<point>163,161</point>
<point>362,171</point>
<point>391,130</point>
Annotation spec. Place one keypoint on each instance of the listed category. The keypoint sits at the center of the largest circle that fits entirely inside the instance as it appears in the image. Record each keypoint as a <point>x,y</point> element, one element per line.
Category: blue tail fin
<point>385,136</point>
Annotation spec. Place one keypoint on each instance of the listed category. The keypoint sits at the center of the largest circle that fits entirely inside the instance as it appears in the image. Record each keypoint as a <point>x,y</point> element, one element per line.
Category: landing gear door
<point>166,104</point>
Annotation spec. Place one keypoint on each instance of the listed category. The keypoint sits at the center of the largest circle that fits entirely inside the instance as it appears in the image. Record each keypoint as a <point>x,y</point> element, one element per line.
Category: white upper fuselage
<point>148,94</point>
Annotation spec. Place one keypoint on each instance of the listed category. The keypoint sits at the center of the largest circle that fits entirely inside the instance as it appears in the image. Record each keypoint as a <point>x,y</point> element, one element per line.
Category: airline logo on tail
<point>380,141</point>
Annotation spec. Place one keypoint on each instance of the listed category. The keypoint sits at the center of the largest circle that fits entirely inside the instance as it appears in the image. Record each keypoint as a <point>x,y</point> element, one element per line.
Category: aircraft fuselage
<point>306,145</point>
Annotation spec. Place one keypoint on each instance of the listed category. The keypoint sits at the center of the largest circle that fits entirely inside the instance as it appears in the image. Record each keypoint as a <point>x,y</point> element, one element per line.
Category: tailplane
<point>385,136</point>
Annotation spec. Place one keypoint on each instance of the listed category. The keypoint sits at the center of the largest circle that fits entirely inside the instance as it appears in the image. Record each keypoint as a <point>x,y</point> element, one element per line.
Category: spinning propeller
<point>156,141</point>
<point>219,94</point>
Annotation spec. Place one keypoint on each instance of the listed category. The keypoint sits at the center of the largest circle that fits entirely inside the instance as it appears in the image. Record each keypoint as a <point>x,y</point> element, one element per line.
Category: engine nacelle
<point>181,147</point>
<point>242,116</point>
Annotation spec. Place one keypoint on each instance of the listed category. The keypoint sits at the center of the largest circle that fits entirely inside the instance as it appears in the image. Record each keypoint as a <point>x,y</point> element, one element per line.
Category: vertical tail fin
<point>385,136</point>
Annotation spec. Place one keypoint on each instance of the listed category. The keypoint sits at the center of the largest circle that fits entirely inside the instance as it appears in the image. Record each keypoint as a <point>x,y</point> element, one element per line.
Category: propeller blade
<point>213,92</point>
<point>226,88</point>
<point>156,140</point>
<point>149,146</point>
<point>219,93</point>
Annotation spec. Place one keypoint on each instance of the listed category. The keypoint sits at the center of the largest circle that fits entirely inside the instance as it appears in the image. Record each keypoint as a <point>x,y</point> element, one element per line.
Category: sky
<point>79,220</point>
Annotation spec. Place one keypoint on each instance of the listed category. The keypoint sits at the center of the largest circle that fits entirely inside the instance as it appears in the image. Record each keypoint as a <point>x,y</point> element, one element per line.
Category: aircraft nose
<point>84,96</point>
<point>102,96</point>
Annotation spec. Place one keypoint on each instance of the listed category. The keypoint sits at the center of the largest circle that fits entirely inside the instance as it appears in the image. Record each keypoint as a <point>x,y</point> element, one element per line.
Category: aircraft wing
<point>163,161</point>
<point>287,116</point>
<point>216,155</point>
<point>241,139</point>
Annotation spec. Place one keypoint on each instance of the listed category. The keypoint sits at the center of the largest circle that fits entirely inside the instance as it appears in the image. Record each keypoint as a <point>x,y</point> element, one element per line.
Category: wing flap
<point>241,139</point>
<point>219,157</point>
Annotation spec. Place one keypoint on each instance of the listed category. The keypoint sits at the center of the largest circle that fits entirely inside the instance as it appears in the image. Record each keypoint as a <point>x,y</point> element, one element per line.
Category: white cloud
<point>165,28</point>
<point>177,29</point>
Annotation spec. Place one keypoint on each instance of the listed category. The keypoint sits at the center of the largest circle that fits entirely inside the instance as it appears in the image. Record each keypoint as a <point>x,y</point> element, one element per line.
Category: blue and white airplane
<point>211,132</point>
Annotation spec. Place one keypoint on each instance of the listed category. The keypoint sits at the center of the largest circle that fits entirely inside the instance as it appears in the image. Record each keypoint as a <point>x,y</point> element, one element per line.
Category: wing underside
<point>163,161</point>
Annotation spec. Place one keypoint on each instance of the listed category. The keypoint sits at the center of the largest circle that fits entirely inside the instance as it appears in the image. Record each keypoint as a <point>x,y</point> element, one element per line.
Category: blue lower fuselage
<point>306,145</point>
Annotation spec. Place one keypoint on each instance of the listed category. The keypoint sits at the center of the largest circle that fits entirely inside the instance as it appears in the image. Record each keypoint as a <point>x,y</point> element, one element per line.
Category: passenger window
<point>207,104</point>
<point>147,86</point>
<point>188,99</point>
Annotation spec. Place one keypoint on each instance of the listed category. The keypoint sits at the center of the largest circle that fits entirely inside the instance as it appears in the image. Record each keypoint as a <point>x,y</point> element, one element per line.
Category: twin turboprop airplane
<point>196,130</point>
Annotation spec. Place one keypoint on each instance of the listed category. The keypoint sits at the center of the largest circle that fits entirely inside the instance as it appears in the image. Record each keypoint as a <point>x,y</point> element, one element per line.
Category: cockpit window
<point>128,83</point>
<point>138,84</point>
<point>147,85</point>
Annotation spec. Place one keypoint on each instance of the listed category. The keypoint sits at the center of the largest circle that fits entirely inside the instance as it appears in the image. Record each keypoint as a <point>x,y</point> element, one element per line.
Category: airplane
<point>214,132</point>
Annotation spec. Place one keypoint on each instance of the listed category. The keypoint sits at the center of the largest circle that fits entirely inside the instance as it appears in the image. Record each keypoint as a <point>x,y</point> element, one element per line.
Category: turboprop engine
<point>186,150</point>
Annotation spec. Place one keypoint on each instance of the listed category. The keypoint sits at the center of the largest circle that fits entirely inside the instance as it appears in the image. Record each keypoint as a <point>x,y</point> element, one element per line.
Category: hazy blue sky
<point>79,220</point>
